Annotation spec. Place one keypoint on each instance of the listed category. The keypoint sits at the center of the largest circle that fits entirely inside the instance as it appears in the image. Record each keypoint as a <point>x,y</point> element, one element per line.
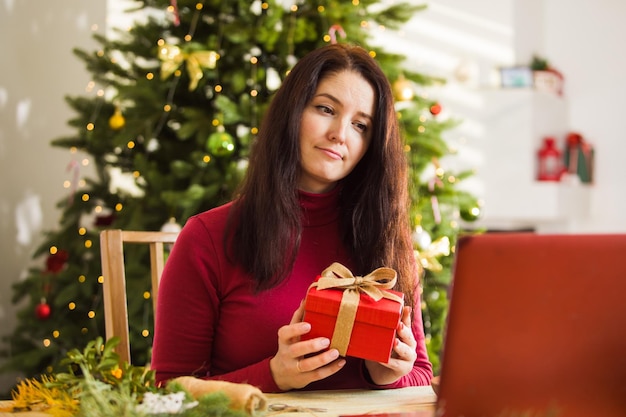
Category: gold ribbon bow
<point>428,256</point>
<point>172,57</point>
<point>373,284</point>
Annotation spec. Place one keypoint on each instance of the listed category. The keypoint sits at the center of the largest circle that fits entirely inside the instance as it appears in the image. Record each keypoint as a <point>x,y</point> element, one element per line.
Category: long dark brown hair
<point>266,216</point>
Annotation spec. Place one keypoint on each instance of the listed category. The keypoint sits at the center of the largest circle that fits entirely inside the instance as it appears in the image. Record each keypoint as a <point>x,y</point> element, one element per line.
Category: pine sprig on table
<point>98,361</point>
<point>96,386</point>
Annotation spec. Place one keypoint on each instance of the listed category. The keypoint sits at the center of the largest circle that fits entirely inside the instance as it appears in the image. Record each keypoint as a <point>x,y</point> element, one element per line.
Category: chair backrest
<point>114,278</point>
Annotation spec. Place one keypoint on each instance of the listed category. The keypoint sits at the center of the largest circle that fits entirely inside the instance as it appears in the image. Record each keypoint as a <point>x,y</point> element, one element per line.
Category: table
<point>418,400</point>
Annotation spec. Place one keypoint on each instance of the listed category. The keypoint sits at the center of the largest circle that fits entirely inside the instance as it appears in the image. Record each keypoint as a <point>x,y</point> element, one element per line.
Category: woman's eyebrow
<point>336,100</point>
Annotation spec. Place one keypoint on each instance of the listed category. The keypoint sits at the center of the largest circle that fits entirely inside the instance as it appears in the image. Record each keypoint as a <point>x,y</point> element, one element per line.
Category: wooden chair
<point>114,284</point>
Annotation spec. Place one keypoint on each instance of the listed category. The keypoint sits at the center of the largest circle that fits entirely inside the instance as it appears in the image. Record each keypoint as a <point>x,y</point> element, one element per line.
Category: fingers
<point>293,331</point>
<point>404,332</point>
<point>300,362</point>
<point>319,366</point>
<point>320,359</point>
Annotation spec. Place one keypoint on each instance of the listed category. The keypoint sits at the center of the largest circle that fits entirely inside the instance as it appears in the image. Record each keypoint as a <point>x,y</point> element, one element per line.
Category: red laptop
<point>536,327</point>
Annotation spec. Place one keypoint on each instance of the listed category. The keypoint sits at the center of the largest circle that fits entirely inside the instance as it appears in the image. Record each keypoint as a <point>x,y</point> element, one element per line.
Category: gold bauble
<point>117,121</point>
<point>403,89</point>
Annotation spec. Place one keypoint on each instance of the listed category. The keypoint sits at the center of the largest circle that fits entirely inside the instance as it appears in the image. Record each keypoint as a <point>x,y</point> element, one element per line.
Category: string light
<point>82,278</point>
<point>53,250</point>
<point>46,342</point>
<point>88,243</point>
<point>100,279</point>
<point>71,306</point>
<point>91,314</point>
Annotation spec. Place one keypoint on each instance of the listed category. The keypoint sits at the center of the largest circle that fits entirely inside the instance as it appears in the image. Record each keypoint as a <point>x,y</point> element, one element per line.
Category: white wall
<point>580,38</point>
<point>585,38</point>
<point>37,69</point>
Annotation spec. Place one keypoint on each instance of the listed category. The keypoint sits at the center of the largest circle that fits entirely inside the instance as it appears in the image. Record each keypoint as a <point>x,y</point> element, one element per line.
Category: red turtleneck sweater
<point>210,324</point>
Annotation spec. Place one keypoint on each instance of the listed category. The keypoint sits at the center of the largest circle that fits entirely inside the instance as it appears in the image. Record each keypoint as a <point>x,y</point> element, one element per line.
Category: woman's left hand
<point>403,354</point>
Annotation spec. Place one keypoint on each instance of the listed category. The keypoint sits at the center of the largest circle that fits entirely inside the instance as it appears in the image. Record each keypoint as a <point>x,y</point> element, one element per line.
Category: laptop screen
<point>536,327</point>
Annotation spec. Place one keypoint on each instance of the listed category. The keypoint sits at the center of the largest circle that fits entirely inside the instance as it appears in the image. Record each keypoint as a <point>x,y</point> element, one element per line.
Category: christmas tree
<point>167,123</point>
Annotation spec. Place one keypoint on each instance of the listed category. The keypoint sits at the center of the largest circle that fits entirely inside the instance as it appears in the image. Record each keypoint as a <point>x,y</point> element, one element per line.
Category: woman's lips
<point>331,153</point>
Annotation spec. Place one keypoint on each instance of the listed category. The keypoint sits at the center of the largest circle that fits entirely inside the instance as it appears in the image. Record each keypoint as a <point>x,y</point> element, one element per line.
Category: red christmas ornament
<point>550,164</point>
<point>55,262</point>
<point>104,220</point>
<point>435,109</point>
<point>42,311</point>
<point>174,6</point>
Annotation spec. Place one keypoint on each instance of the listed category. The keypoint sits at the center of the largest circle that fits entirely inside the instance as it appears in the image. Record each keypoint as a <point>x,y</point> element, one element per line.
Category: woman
<point>326,183</point>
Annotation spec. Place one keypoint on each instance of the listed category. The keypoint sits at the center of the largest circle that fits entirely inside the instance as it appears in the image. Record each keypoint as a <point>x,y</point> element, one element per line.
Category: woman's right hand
<point>298,363</point>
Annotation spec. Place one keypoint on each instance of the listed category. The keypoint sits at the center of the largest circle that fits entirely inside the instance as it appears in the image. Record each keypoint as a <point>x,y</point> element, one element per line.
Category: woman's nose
<point>338,130</point>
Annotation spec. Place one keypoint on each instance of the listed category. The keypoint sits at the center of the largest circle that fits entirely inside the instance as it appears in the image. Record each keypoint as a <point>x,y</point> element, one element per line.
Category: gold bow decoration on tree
<point>428,256</point>
<point>172,57</point>
<point>374,284</point>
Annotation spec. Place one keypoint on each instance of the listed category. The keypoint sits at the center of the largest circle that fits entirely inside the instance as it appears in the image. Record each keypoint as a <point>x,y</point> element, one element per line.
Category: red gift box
<point>358,314</point>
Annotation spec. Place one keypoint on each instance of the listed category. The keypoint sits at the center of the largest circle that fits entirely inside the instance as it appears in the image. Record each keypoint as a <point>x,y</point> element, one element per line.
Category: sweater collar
<point>319,209</point>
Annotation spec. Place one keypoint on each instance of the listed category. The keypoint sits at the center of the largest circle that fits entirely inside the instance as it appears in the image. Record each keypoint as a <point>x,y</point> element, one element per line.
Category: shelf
<point>541,206</point>
<point>514,122</point>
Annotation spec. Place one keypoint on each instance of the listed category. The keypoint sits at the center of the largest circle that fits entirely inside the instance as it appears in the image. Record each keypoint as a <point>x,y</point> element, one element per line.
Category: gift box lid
<point>384,313</point>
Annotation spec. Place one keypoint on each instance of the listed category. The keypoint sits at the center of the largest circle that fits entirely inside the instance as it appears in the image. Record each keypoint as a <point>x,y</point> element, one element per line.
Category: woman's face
<point>335,130</point>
